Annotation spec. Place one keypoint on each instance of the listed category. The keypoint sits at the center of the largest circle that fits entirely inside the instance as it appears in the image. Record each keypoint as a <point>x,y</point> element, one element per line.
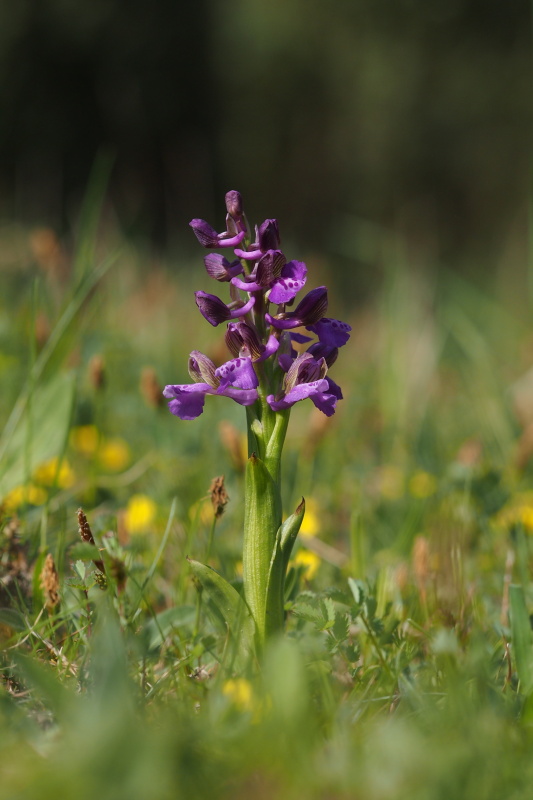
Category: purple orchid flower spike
<point>260,279</point>
<point>215,311</point>
<point>230,380</point>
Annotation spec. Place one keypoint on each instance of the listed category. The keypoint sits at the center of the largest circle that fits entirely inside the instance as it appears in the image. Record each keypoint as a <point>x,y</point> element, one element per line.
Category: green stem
<point>263,513</point>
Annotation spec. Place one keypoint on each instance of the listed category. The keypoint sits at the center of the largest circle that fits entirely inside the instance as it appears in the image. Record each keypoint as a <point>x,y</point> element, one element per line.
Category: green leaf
<point>290,530</point>
<point>230,605</point>
<point>41,432</point>
<point>160,626</point>
<point>357,590</point>
<point>521,637</point>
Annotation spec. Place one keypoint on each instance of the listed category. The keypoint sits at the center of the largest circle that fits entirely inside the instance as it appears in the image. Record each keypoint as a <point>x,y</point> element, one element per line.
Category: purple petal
<point>283,324</point>
<point>242,310</point>
<point>243,396</point>
<point>240,336</point>
<point>285,361</point>
<point>300,392</point>
<point>212,308</point>
<point>287,286</point>
<point>332,332</point>
<point>248,255</point>
<point>238,372</point>
<point>312,306</point>
<point>246,287</point>
<point>224,240</point>
<point>220,268</point>
<point>334,388</point>
<point>320,350</point>
<point>271,347</point>
<point>206,235</point>
<point>187,400</point>
<point>268,235</point>
<point>300,338</point>
<point>325,402</point>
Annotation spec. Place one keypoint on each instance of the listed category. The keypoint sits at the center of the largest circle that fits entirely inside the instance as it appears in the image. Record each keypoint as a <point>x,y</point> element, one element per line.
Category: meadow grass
<point>407,667</point>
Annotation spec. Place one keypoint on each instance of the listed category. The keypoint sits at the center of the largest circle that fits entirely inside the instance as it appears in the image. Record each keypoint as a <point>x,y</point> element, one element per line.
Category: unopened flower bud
<point>268,235</point>
<point>234,204</point>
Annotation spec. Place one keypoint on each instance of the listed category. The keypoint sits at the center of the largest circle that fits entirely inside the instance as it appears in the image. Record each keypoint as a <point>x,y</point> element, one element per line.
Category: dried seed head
<point>87,536</point>
<point>219,496</point>
<point>84,528</point>
<point>50,583</point>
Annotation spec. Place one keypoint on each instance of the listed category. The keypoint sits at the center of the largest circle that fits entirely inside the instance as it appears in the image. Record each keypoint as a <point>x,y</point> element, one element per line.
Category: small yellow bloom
<point>311,522</point>
<point>310,561</point>
<point>48,473</point>
<point>238,569</point>
<point>114,454</point>
<point>140,513</point>
<point>34,495</point>
<point>85,439</point>
<point>391,482</point>
<point>422,485</point>
<point>240,692</point>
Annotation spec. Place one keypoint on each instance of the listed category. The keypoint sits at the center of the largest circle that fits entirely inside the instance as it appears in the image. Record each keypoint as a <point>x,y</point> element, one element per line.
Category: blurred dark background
<point>340,118</point>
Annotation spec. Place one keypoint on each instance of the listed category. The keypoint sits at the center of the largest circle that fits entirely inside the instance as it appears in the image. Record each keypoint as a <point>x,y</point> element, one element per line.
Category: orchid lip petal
<point>248,255</point>
<point>239,373</point>
<point>232,241</point>
<point>240,312</point>
<point>270,348</point>
<point>246,287</point>
<point>245,397</point>
<point>283,324</point>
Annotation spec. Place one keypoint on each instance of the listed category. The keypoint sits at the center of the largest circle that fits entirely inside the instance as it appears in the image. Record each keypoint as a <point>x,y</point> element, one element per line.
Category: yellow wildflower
<point>311,522</point>
<point>238,569</point>
<point>422,484</point>
<point>114,454</point>
<point>310,561</point>
<point>30,493</point>
<point>140,513</point>
<point>85,439</point>
<point>240,692</point>
<point>52,472</point>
